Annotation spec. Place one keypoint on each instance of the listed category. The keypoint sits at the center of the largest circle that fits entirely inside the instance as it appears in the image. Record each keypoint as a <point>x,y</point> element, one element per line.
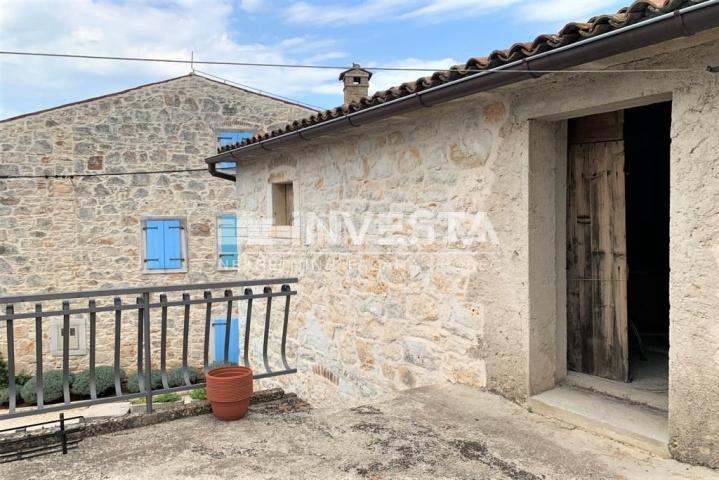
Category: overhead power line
<point>193,62</point>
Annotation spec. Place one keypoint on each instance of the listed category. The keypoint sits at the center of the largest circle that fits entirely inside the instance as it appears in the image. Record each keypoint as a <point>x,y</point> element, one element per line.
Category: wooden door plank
<point>602,127</point>
<point>596,260</point>
<point>574,337</point>
<point>619,272</point>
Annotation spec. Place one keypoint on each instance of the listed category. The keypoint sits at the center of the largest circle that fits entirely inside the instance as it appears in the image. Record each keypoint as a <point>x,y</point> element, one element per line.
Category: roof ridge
<point>146,85</point>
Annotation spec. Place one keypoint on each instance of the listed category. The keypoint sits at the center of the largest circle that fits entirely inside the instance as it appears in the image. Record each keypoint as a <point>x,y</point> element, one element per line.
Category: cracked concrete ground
<point>445,431</point>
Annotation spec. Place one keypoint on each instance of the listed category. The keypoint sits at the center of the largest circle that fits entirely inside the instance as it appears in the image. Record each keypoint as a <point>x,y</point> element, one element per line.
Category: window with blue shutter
<point>164,244</point>
<point>154,245</point>
<point>173,244</point>
<point>230,137</point>
<point>227,241</point>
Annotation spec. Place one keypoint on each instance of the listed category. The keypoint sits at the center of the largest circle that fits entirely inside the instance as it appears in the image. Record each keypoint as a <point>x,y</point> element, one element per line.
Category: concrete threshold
<point>623,391</point>
<point>629,423</point>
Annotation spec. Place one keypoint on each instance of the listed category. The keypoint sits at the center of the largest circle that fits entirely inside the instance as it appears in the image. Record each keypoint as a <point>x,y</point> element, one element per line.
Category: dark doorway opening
<point>647,139</point>
<point>618,245</point>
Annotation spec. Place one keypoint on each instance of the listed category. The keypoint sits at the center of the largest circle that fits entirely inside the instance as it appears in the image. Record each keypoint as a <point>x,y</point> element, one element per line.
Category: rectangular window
<point>230,137</point>
<point>227,251</point>
<point>164,242</point>
<point>282,204</point>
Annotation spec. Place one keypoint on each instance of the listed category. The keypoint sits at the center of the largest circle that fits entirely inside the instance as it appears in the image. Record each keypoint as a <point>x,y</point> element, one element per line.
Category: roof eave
<point>677,24</point>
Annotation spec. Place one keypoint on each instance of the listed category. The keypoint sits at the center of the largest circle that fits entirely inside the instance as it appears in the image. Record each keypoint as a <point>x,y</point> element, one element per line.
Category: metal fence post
<point>10,310</point>
<point>39,383</point>
<point>148,366</point>
<point>66,351</point>
<point>63,435</point>
<point>97,305</point>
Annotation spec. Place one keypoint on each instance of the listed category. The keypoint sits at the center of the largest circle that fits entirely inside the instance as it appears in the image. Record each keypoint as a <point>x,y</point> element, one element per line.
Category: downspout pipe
<point>212,167</point>
<point>680,23</point>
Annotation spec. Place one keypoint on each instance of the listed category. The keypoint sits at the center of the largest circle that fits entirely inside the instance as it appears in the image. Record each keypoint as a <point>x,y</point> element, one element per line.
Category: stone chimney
<point>356,83</point>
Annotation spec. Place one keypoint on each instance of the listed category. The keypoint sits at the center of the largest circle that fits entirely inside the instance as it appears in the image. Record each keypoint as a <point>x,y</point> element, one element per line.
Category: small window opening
<point>356,80</point>
<point>282,204</point>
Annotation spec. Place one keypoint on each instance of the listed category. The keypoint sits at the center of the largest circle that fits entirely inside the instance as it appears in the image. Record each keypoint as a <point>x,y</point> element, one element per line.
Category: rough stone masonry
<point>390,312</point>
<point>85,233</point>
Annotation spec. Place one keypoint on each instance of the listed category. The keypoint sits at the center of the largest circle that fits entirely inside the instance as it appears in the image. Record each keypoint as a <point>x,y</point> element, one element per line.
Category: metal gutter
<point>680,23</point>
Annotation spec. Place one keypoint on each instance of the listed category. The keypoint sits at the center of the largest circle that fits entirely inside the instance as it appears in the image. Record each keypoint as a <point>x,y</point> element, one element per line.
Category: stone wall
<point>371,319</point>
<point>694,266</point>
<point>85,233</point>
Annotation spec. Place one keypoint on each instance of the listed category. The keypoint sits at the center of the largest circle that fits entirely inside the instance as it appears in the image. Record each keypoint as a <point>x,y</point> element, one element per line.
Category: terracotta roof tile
<point>638,11</point>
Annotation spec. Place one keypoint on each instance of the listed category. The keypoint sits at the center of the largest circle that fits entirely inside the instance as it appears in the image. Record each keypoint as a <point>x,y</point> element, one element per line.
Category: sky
<point>394,33</point>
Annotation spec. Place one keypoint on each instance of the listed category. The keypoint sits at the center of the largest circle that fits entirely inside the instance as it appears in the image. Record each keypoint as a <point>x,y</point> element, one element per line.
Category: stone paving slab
<point>107,410</point>
<point>446,431</point>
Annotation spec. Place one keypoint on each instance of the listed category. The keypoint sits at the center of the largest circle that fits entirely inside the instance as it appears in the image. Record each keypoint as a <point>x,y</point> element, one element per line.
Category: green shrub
<point>167,398</point>
<point>133,382</point>
<point>175,378</point>
<point>5,396</point>
<point>3,373</point>
<point>52,387</point>
<point>104,381</point>
<point>199,394</point>
<point>22,378</point>
<point>161,398</point>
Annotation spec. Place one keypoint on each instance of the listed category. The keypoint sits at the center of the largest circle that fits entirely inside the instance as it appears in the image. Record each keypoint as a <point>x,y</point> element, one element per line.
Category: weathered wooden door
<point>597,338</point>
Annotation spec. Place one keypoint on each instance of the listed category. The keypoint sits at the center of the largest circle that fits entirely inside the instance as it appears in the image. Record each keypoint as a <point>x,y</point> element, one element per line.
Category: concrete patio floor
<point>444,431</point>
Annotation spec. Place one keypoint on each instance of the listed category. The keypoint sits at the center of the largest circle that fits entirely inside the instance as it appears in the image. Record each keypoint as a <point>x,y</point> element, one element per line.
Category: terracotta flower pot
<point>229,390</point>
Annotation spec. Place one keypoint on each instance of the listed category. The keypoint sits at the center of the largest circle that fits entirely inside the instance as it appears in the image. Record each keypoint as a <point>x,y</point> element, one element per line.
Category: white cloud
<point>439,10</point>
<point>368,11</point>
<point>327,56</point>
<point>135,28</point>
<point>252,5</point>
<point>435,11</point>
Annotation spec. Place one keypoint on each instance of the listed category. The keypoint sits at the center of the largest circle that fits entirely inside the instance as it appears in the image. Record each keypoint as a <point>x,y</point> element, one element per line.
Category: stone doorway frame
<point>546,191</point>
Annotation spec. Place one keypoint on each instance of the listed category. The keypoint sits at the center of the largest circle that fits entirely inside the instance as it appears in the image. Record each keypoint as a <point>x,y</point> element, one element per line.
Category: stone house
<point>521,223</point>
<point>91,225</point>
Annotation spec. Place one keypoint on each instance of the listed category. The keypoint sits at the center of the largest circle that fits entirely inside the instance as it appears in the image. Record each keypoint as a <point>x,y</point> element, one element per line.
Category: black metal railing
<point>145,303</point>
<point>59,440</point>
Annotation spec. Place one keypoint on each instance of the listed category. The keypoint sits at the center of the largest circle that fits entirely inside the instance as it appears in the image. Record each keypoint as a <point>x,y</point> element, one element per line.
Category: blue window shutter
<point>230,138</point>
<point>227,236</point>
<point>154,245</point>
<point>172,233</point>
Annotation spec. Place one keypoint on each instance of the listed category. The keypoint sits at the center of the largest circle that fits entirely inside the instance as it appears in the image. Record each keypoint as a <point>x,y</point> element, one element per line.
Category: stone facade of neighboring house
<point>376,316</point>
<point>85,233</point>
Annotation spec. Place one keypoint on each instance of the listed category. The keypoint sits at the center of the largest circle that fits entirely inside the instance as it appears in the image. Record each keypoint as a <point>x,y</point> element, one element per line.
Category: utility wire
<point>256,90</point>
<point>103,174</point>
<point>193,62</point>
